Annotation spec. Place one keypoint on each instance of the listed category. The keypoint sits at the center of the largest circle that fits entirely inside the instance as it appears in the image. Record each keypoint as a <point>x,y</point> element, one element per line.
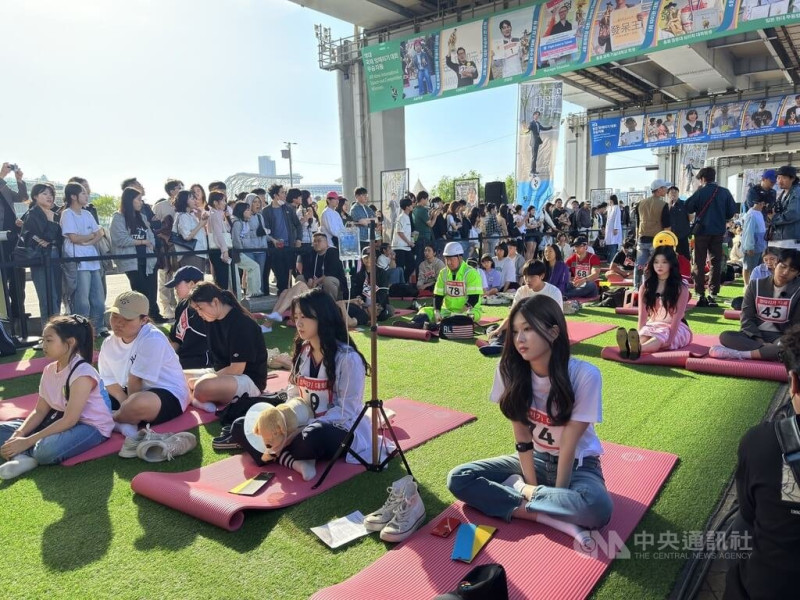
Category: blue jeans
<point>643,252</point>
<point>58,447</point>
<point>585,503</point>
<point>260,258</point>
<point>90,298</point>
<point>424,81</point>
<point>395,275</point>
<point>587,290</point>
<point>611,251</point>
<point>39,277</point>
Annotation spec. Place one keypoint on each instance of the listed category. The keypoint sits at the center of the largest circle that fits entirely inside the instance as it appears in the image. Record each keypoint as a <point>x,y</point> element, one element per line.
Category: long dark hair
<point>543,314</point>
<point>208,291</point>
<point>672,287</point>
<point>318,305</point>
<point>72,190</point>
<point>559,258</point>
<point>133,218</point>
<point>77,327</point>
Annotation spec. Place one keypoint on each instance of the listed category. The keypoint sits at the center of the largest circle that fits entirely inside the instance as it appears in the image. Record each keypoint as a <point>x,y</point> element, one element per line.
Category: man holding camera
<point>10,223</point>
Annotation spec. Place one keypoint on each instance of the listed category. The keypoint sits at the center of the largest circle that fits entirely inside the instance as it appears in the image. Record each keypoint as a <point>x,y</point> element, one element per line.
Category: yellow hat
<point>665,238</point>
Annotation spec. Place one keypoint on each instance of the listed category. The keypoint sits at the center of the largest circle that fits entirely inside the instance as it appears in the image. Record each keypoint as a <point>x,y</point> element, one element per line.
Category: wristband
<point>524,446</point>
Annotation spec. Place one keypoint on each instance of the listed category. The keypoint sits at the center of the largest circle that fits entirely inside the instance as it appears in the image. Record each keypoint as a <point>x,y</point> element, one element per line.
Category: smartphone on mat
<point>252,486</point>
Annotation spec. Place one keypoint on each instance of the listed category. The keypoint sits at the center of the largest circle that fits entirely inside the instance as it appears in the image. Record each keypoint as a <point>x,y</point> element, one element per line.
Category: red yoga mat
<point>203,493</point>
<point>404,333</point>
<point>668,358</point>
<point>734,315</point>
<point>539,562</point>
<point>18,408</point>
<point>489,320</point>
<point>751,369</point>
<point>619,281</point>
<point>28,366</point>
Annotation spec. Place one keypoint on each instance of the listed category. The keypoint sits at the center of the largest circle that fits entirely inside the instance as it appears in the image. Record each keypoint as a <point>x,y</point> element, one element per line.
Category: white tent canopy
<point>418,187</point>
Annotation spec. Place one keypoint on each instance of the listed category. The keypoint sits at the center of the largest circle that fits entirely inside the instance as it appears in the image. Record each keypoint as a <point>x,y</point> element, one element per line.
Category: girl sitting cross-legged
<point>662,308</point>
<point>71,415</point>
<point>552,402</point>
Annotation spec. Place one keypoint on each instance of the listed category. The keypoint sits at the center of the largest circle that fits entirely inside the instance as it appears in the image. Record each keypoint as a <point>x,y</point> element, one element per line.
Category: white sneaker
<point>377,520</point>
<point>725,353</point>
<point>161,450</point>
<point>19,464</point>
<point>275,316</point>
<point>408,517</point>
<point>131,444</point>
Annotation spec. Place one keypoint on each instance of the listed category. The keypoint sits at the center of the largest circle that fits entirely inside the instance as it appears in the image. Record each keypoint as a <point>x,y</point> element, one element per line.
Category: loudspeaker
<point>495,193</point>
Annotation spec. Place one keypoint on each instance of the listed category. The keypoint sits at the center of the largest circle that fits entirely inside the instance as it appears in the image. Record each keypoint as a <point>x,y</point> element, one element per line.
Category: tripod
<point>375,403</point>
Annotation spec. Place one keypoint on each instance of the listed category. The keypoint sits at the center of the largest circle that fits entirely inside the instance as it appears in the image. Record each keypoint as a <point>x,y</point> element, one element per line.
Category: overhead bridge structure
<point>738,67</point>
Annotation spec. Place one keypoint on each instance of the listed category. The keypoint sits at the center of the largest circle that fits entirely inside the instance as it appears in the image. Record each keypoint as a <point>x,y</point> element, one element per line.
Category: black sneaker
<point>712,302</point>
<point>702,302</point>
<point>408,324</point>
<point>225,442</point>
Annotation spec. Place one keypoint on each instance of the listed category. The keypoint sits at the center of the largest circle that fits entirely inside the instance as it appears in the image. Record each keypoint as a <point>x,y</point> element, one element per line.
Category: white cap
<point>453,249</point>
<point>659,183</point>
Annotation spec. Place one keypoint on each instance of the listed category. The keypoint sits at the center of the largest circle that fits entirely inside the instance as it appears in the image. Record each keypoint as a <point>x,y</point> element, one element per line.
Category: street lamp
<point>287,153</point>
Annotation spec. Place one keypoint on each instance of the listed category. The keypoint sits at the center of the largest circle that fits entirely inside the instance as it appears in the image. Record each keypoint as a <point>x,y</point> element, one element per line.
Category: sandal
<point>634,344</point>
<point>622,342</point>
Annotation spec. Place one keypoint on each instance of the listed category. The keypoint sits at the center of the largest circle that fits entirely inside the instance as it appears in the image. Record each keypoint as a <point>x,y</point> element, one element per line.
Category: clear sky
<point>198,89</point>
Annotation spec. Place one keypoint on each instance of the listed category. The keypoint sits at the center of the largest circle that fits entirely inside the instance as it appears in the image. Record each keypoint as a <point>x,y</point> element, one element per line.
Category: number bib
<point>316,393</point>
<point>582,270</point>
<point>774,310</point>
<point>455,289</point>
<point>546,437</point>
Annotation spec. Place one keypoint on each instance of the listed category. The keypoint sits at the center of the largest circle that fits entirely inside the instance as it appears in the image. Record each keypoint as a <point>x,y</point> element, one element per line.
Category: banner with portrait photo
<point>550,37</point>
<point>538,123</point>
<point>468,190</point>
<point>511,49</point>
<point>599,195</point>
<point>560,35</point>
<point>462,57</point>
<point>692,158</point>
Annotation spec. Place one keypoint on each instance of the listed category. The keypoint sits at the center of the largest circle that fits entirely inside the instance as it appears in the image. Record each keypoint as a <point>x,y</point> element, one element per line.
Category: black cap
<point>580,241</point>
<point>187,273</point>
<point>788,171</point>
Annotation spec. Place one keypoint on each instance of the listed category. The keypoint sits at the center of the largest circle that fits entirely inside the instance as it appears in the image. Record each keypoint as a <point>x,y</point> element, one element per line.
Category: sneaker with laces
<point>725,353</point>
<point>161,450</point>
<point>375,521</point>
<point>408,517</point>
<point>131,444</point>
<point>702,302</point>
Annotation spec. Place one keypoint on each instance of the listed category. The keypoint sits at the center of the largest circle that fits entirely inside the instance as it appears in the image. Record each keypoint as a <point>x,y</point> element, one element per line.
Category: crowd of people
<point>215,353</point>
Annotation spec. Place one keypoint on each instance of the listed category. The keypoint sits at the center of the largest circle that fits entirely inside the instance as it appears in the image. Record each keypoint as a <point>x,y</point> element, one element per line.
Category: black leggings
<point>145,284</point>
<point>736,340</point>
<point>222,270</point>
<point>317,441</point>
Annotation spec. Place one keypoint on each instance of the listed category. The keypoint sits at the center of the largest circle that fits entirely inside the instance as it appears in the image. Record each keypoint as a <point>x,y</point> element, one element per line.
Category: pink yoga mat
<point>751,369</point>
<point>489,320</point>
<point>17,408</point>
<point>734,315</point>
<point>28,366</point>
<point>404,333</point>
<point>539,562</point>
<point>203,493</point>
<point>619,281</point>
<point>668,358</point>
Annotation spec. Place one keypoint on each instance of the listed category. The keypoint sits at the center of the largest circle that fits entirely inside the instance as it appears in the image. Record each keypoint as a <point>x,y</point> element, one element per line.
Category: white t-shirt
<point>508,268</point>
<point>52,387</point>
<point>83,224</point>
<point>403,226</point>
<point>150,357</point>
<point>548,290</point>
<point>587,385</point>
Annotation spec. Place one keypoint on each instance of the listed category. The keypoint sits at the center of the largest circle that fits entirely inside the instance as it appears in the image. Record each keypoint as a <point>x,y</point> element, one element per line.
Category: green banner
<point>548,38</point>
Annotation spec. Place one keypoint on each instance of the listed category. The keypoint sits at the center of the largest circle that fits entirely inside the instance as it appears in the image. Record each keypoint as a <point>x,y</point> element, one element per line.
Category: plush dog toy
<point>277,425</point>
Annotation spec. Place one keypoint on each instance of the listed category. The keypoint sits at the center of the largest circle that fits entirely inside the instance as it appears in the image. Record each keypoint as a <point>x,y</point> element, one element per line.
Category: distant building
<point>245,182</point>
<point>266,166</point>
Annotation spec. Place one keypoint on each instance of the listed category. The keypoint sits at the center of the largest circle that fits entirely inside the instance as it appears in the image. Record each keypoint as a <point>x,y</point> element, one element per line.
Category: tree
<point>444,187</point>
<point>106,206</point>
<point>511,187</point>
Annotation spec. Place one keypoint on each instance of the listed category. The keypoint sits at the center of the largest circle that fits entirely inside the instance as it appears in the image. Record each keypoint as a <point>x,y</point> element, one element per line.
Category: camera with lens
<point>12,166</point>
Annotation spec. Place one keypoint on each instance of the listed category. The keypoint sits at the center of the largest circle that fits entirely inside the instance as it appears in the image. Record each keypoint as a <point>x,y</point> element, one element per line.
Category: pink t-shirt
<point>53,385</point>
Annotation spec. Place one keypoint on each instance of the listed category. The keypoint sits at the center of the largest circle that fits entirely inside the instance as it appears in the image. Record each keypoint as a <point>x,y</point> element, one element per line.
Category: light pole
<point>288,154</point>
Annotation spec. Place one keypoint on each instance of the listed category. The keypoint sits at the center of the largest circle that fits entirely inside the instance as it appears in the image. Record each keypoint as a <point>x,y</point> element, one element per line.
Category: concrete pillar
<point>370,142</point>
<point>582,172</point>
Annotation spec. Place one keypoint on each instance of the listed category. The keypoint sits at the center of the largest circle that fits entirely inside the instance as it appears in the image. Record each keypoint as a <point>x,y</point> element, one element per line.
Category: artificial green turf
<point>81,532</point>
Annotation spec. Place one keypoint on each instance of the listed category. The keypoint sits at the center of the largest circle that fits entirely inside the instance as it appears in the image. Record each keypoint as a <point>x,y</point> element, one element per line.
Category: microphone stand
<point>375,403</point>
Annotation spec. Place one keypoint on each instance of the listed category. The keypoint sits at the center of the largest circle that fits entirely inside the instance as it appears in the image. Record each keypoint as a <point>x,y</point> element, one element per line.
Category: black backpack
<point>7,345</point>
<point>613,298</point>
